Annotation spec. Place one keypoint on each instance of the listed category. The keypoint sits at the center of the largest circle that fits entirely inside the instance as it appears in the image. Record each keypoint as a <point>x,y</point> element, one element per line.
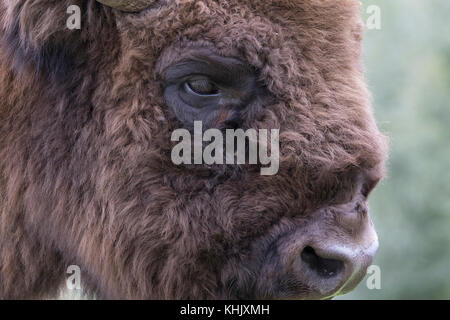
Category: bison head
<point>86,175</point>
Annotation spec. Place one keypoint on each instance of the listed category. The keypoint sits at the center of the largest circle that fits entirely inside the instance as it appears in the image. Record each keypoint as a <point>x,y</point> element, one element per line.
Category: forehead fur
<point>38,21</point>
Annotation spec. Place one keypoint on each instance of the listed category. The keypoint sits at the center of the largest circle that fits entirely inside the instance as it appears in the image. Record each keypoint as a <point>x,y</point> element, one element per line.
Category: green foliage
<point>408,70</point>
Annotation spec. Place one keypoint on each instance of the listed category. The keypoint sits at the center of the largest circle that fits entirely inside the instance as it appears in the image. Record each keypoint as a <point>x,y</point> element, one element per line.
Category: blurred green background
<point>408,71</point>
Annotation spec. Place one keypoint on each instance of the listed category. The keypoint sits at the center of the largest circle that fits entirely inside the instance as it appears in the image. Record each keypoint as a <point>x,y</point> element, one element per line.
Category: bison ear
<point>128,5</point>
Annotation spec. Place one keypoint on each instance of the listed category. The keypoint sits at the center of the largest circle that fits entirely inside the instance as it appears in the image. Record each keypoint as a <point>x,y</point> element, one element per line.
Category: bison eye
<point>201,87</point>
<point>207,86</point>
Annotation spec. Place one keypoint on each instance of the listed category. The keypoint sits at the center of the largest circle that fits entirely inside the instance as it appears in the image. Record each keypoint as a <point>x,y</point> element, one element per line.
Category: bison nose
<point>336,269</point>
<point>323,267</point>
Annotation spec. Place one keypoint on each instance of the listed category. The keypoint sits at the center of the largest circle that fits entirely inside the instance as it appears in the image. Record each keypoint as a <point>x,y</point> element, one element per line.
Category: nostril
<point>325,268</point>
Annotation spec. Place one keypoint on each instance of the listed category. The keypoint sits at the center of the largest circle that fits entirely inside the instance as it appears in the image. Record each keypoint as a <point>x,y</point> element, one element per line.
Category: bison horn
<point>128,5</point>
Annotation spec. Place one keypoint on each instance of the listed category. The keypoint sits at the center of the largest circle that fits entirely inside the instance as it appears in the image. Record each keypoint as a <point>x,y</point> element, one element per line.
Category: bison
<point>86,175</point>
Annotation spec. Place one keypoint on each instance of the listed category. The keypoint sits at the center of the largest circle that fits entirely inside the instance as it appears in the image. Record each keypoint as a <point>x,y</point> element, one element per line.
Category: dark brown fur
<point>85,170</point>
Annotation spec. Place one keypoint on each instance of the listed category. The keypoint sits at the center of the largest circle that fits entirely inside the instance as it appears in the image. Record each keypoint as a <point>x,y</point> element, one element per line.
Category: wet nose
<point>337,269</point>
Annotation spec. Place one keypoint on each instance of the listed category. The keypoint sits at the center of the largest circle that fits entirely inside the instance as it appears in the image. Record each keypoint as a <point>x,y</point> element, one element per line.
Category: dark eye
<point>209,88</point>
<point>201,87</point>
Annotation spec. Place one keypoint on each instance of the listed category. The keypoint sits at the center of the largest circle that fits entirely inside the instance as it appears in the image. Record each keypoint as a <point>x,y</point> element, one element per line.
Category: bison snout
<point>336,269</point>
<point>320,260</point>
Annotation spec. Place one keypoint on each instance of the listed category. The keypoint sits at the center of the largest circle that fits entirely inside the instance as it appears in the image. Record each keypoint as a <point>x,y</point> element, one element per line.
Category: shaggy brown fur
<point>85,171</point>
